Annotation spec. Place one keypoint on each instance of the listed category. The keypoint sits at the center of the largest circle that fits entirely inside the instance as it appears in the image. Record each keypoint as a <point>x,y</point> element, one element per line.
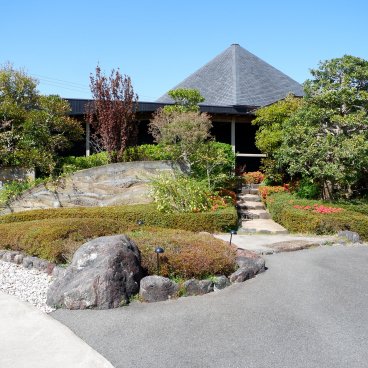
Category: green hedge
<point>220,220</point>
<point>281,207</point>
<point>187,254</point>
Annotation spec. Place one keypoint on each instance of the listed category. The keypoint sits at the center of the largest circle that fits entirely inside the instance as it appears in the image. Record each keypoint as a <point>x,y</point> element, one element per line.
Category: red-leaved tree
<point>112,112</point>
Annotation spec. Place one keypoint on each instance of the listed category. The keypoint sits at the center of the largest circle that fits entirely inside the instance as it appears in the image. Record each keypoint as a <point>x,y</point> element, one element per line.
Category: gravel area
<point>28,285</point>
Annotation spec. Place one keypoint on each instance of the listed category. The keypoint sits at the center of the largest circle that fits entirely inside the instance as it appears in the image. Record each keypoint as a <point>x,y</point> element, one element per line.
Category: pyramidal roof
<point>236,77</point>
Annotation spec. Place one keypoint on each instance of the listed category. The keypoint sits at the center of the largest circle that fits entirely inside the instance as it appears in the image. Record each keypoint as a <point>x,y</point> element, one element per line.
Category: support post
<point>88,139</point>
<point>233,134</point>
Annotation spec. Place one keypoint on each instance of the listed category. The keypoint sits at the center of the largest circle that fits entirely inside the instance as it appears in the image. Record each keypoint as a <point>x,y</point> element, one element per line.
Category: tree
<point>183,132</point>
<point>185,99</point>
<point>113,111</point>
<point>326,140</point>
<point>34,129</point>
<point>269,136</point>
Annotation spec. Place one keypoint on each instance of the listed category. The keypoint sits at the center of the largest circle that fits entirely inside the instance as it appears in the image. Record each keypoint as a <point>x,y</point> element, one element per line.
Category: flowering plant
<point>319,208</point>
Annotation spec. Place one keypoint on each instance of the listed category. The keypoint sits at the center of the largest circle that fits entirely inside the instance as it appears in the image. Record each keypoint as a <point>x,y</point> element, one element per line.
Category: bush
<point>253,177</point>
<point>148,152</point>
<point>221,220</point>
<point>186,254</point>
<point>180,193</point>
<point>265,191</point>
<point>71,164</point>
<point>307,189</point>
<point>290,212</point>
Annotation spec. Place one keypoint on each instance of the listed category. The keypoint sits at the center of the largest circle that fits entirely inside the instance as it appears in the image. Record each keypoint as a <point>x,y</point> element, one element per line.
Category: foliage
<point>71,164</point>
<point>34,129</point>
<point>319,208</point>
<point>269,136</point>
<point>265,191</point>
<point>297,220</point>
<point>307,189</point>
<point>184,100</point>
<point>182,132</point>
<point>253,177</point>
<point>13,189</point>
<point>186,254</point>
<point>213,162</point>
<point>114,108</point>
<point>148,152</point>
<point>213,221</point>
<point>326,140</point>
<point>180,193</point>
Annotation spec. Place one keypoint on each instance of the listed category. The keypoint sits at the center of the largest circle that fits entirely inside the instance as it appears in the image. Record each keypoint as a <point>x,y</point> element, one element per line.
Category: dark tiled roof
<point>238,78</point>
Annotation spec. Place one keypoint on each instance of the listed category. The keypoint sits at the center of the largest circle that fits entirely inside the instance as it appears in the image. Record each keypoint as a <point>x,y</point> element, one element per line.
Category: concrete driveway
<point>310,309</point>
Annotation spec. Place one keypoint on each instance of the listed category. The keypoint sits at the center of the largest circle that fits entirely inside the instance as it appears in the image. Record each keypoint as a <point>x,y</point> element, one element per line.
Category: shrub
<point>253,177</point>
<point>186,254</point>
<point>221,220</point>
<point>148,152</point>
<point>71,164</point>
<point>307,189</point>
<point>265,191</point>
<point>180,193</point>
<point>292,213</point>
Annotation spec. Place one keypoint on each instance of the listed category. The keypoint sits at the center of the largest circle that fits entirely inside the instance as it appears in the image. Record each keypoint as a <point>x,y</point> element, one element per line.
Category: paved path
<point>31,338</point>
<point>309,309</point>
<point>263,244</point>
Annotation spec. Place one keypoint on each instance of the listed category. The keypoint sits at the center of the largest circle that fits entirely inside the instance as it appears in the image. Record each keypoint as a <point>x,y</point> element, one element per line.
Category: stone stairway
<point>253,215</point>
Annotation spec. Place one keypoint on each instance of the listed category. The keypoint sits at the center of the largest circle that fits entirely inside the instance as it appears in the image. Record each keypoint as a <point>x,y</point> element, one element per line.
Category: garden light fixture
<point>140,222</point>
<point>158,251</point>
<point>232,232</point>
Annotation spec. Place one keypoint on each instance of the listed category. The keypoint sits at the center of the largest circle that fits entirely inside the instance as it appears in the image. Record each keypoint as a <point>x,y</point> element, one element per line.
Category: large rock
<point>103,274</point>
<point>348,236</point>
<point>108,185</point>
<point>198,287</point>
<point>157,288</point>
<point>248,268</point>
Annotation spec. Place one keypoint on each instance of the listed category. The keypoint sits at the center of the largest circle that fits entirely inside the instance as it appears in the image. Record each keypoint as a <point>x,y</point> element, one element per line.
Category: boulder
<point>248,268</point>
<point>221,282</point>
<point>9,256</point>
<point>348,236</point>
<point>198,287</point>
<point>157,288</point>
<point>104,273</point>
<point>108,185</point>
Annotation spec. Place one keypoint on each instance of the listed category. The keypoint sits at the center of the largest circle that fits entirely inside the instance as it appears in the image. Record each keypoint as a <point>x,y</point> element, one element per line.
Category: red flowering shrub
<point>253,177</point>
<point>265,191</point>
<point>319,208</point>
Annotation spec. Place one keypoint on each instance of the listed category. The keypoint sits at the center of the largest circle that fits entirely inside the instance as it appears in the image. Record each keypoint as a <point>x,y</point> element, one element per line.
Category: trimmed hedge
<point>220,220</point>
<point>186,254</point>
<point>281,207</point>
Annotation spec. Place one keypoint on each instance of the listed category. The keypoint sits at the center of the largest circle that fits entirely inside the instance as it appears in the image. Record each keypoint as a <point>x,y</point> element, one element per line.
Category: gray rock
<point>157,288</point>
<point>2,252</point>
<point>28,262</point>
<point>240,275</point>
<point>58,272</point>
<point>221,282</point>
<point>107,185</point>
<point>348,236</point>
<point>256,265</point>
<point>104,273</point>
<point>9,256</point>
<point>198,287</point>
<point>18,259</point>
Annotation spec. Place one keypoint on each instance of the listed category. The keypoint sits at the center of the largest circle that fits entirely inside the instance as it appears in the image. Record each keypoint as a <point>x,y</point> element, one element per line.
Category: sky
<point>159,43</point>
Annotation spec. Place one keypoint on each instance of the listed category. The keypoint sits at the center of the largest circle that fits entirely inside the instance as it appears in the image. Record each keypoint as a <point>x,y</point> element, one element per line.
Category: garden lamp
<point>158,251</point>
<point>140,222</point>
<point>232,232</point>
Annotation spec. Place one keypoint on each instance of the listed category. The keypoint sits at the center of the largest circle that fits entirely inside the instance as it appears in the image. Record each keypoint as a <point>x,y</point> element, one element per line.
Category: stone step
<point>256,214</point>
<point>262,226</point>
<point>250,205</point>
<point>249,197</point>
<point>250,191</point>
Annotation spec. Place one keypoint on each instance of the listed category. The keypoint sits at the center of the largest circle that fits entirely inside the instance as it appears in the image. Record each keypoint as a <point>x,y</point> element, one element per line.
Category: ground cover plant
<point>317,217</point>
<point>187,254</point>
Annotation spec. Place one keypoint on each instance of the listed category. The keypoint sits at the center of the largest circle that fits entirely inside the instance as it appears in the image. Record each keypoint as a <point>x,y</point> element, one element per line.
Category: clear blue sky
<point>159,43</point>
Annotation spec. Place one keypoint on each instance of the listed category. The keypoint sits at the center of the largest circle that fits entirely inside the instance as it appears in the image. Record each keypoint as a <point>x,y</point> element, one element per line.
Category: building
<point>234,84</point>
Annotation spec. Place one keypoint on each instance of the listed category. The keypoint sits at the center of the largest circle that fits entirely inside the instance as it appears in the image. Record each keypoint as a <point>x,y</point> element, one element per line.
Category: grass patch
<point>285,209</point>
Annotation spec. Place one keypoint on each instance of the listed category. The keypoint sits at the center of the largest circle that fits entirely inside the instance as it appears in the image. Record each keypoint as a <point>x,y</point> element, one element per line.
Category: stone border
<point>155,288</point>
